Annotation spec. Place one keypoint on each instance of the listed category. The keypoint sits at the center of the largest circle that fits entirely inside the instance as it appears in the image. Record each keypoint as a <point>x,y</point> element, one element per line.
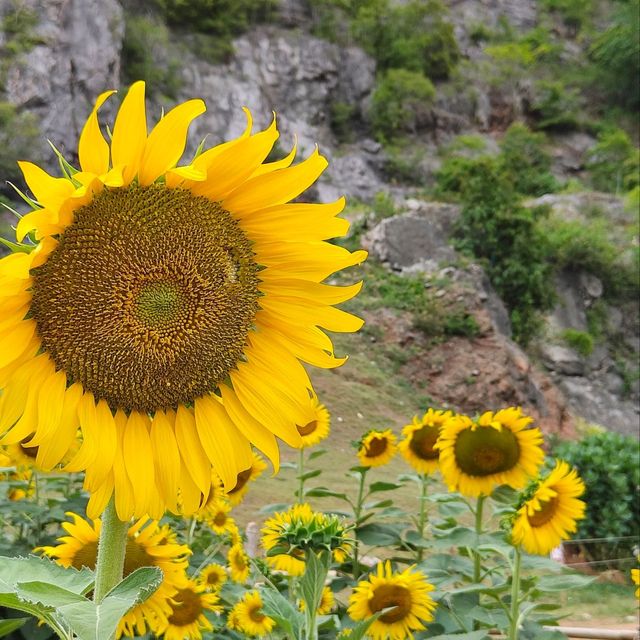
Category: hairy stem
<point>301,474</point>
<point>357,513</point>
<point>423,513</point>
<point>476,554</point>
<point>515,596</point>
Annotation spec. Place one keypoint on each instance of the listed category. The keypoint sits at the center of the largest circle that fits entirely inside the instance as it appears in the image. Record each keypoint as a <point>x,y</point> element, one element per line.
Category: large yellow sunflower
<point>315,426</point>
<point>165,310</point>
<point>420,436</point>
<point>407,592</point>
<point>248,618</point>
<point>186,621</point>
<point>377,448</point>
<point>549,516</point>
<point>498,448</point>
<point>148,545</point>
<point>236,494</point>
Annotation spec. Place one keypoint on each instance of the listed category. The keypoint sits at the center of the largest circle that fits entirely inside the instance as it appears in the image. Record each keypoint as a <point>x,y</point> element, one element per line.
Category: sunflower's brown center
<point>238,561</point>
<point>213,578</point>
<point>86,556</point>
<point>391,595</point>
<point>220,519</point>
<point>186,608</point>
<point>254,611</point>
<point>422,442</point>
<point>376,447</point>
<point>486,450</point>
<point>148,297</point>
<point>308,428</point>
<point>545,513</point>
<point>241,480</point>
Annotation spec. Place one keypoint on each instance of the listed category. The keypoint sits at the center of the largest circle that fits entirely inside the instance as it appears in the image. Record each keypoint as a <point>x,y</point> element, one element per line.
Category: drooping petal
<point>138,458</point>
<point>93,150</point>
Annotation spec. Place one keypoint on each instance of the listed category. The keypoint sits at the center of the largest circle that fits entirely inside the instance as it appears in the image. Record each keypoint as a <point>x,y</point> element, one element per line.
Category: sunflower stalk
<point>111,551</point>
<point>301,474</point>
<point>477,559</point>
<point>422,522</point>
<point>357,512</point>
<point>514,618</point>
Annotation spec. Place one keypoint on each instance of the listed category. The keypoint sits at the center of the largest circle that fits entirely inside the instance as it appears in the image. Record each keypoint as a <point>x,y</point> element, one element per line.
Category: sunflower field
<point>159,320</point>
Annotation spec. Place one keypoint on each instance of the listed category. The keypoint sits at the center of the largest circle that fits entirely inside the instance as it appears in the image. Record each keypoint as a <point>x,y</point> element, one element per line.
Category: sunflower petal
<point>138,459</point>
<point>166,458</point>
<point>130,132</point>
<point>93,150</point>
<point>191,450</point>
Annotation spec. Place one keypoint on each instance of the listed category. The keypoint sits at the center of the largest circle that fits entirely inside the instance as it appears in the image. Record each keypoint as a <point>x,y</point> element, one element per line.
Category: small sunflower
<point>248,618</point>
<point>549,515</point>
<point>420,436</point>
<point>22,456</point>
<point>315,426</point>
<point>187,619</point>
<point>377,448</point>
<point>148,545</point>
<point>239,563</point>
<point>498,448</point>
<point>293,562</point>
<point>202,290</point>
<point>213,576</point>
<point>236,494</point>
<point>407,592</point>
<point>217,517</point>
<point>327,602</point>
<point>635,576</point>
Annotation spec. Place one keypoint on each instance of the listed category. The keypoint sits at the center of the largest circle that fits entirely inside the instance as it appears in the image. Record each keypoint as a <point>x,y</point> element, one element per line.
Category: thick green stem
<point>477,560</point>
<point>423,513</point>
<point>111,550</point>
<point>357,513</point>
<point>301,474</point>
<point>515,596</point>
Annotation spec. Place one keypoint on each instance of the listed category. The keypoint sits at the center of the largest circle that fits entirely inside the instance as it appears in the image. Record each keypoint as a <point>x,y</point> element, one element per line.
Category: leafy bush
<point>608,464</point>
<point>616,55</point>
<point>17,26</point>
<point>19,138</point>
<point>581,341</point>
<point>525,163</point>
<point>503,235</point>
<point>614,162</point>
<point>147,55</point>
<point>403,162</point>
<point>576,14</point>
<point>414,36</point>
<point>401,102</point>
<point>555,106</point>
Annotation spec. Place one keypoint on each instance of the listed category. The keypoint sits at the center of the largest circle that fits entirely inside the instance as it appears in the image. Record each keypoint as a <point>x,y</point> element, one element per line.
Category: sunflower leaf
<point>289,619</point>
<point>359,631</point>
<point>35,569</point>
<point>312,582</point>
<point>7,626</point>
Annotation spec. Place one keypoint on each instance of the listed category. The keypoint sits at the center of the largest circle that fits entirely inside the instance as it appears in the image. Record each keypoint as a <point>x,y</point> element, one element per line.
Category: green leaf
<point>383,486</point>
<point>287,617</point>
<point>312,581</point>
<point>564,582</point>
<point>35,569</point>
<point>47,594</point>
<point>380,504</point>
<point>310,474</point>
<point>469,635</point>
<point>378,535</point>
<point>414,538</point>
<point>359,631</point>
<point>504,495</point>
<point>317,453</point>
<point>7,626</point>
<point>96,622</point>
<point>323,492</point>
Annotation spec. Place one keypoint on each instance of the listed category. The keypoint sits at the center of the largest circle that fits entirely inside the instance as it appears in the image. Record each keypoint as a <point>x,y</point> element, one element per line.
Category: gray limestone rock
<point>562,360</point>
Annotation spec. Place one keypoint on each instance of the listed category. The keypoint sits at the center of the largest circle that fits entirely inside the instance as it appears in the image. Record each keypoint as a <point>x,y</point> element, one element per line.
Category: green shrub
<point>461,323</point>
<point>403,162</point>
<point>581,341</point>
<point>383,205</point>
<point>613,162</point>
<point>503,235</point>
<point>524,161</point>
<point>414,36</point>
<point>19,138</point>
<point>616,55</point>
<point>608,464</point>
<point>555,106</point>
<point>576,14</point>
<point>148,54</point>
<point>401,103</point>
<point>17,26</point>
<point>342,116</point>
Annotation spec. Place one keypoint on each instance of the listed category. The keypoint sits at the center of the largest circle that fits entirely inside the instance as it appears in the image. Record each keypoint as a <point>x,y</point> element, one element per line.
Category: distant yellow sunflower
<point>315,426</point>
<point>549,516</point>
<point>248,617</point>
<point>239,563</point>
<point>213,576</point>
<point>498,448</point>
<point>292,563</point>
<point>236,494</point>
<point>218,518</point>
<point>419,438</point>
<point>377,448</point>
<point>187,620</point>
<point>201,290</point>
<point>148,545</point>
<point>407,592</point>
<point>22,456</point>
<point>635,576</point>
<point>327,602</point>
